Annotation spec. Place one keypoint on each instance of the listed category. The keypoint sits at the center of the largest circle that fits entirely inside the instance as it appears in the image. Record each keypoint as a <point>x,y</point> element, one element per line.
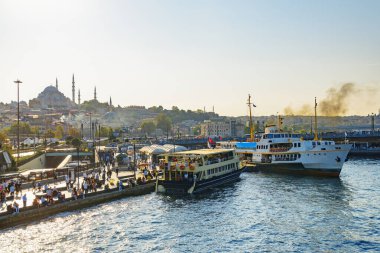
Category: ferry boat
<point>279,151</point>
<point>195,171</point>
<point>289,153</point>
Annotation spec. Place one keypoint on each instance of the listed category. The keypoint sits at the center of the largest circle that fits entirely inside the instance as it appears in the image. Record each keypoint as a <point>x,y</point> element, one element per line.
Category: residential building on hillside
<point>223,129</point>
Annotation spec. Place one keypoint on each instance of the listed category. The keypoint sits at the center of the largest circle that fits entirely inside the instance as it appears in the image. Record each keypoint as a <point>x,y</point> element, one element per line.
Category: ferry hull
<point>295,168</point>
<point>185,187</point>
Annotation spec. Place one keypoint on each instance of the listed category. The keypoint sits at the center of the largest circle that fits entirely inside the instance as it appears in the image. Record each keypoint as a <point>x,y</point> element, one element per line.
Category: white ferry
<point>197,170</point>
<point>285,152</point>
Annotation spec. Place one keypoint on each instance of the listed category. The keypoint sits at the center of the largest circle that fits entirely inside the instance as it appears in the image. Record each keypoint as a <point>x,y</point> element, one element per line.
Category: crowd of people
<point>44,195</point>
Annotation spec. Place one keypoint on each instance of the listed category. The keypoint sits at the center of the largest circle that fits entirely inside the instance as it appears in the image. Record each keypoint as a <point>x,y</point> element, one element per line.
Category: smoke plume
<point>338,101</point>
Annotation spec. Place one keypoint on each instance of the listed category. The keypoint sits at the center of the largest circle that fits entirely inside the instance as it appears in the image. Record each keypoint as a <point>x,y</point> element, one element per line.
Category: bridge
<point>74,154</point>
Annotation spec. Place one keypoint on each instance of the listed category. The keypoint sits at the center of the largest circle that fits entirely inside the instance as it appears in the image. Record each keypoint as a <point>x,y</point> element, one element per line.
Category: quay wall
<point>37,163</point>
<point>35,214</point>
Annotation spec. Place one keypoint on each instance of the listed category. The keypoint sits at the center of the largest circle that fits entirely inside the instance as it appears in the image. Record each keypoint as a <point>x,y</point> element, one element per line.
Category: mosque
<point>51,97</point>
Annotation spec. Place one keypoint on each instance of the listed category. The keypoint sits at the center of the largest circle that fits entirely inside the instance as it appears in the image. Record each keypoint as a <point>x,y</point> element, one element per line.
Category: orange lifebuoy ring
<point>182,167</point>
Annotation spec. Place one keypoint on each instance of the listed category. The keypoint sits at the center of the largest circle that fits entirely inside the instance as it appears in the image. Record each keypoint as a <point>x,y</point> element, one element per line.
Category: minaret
<point>78,97</point>
<point>110,102</point>
<point>73,89</point>
<point>56,83</point>
<point>95,93</point>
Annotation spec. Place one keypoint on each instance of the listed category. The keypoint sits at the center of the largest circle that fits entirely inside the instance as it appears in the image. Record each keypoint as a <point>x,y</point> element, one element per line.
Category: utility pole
<point>18,120</point>
<point>134,160</point>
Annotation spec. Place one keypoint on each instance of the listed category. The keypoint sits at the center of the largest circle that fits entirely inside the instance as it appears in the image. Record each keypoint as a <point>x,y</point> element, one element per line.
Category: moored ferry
<point>289,153</point>
<point>279,151</point>
<point>195,171</point>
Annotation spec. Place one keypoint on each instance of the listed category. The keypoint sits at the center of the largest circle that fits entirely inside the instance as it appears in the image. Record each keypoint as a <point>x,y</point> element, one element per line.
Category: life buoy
<point>182,167</point>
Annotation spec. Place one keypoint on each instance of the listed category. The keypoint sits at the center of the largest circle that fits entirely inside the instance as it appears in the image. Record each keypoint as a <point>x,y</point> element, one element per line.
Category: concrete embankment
<point>34,214</point>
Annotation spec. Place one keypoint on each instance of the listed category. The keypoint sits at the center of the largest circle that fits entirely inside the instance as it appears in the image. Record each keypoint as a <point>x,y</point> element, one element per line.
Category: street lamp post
<point>18,120</point>
<point>134,160</point>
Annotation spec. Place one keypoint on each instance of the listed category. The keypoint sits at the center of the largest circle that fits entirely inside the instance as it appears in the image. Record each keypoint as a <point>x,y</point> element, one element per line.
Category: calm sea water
<point>260,213</point>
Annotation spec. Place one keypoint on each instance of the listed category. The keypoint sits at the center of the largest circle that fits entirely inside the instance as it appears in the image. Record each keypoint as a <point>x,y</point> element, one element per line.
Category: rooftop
<point>202,152</point>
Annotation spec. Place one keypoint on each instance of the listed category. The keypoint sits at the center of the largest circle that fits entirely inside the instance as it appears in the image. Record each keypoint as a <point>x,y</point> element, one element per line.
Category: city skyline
<point>193,54</point>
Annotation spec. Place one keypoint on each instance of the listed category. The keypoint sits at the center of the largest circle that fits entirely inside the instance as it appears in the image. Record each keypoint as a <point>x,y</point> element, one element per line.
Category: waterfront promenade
<point>61,187</point>
<point>126,183</point>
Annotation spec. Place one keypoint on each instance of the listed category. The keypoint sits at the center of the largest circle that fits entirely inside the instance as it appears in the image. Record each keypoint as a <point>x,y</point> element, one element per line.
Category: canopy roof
<point>158,149</point>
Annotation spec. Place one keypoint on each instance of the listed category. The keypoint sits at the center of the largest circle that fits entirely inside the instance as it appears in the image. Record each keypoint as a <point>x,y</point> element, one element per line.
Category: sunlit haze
<point>193,54</point>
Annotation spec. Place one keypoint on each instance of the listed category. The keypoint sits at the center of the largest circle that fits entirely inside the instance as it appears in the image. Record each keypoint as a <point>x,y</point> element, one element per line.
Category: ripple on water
<point>260,213</point>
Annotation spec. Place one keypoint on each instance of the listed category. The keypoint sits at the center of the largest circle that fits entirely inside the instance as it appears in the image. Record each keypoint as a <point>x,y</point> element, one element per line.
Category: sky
<point>192,54</point>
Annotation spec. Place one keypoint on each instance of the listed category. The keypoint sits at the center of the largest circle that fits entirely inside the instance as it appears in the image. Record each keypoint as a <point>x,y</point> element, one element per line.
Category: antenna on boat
<point>315,120</point>
<point>251,130</point>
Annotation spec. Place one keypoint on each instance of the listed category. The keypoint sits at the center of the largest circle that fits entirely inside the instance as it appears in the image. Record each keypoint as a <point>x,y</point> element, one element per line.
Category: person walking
<point>117,171</point>
<point>24,199</point>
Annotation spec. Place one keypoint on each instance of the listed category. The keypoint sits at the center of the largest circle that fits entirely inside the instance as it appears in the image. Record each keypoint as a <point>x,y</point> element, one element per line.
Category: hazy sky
<point>191,53</point>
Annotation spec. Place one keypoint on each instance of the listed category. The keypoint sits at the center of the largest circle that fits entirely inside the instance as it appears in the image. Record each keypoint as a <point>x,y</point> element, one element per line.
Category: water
<point>261,213</point>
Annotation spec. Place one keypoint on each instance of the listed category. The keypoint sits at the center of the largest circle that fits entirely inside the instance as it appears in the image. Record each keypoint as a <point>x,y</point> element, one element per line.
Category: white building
<point>222,128</point>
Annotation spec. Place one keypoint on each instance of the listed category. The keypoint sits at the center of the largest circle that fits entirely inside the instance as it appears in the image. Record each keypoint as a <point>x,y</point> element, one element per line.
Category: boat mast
<point>315,120</point>
<point>279,124</point>
<point>250,117</point>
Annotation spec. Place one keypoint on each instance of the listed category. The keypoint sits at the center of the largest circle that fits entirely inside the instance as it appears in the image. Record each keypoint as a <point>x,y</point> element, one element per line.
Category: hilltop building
<point>50,97</point>
<point>222,128</point>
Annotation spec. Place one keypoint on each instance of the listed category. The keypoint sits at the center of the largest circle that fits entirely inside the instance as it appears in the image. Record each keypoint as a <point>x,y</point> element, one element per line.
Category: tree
<point>104,131</point>
<point>148,127</point>
<point>58,132</point>
<point>76,143</point>
<point>164,122</point>
<point>197,130</point>
<point>73,132</point>
<point>3,137</point>
<point>24,128</point>
<point>49,133</point>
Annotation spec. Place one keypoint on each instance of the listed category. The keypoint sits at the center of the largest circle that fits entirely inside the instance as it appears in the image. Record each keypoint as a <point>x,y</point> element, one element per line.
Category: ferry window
<point>270,136</point>
<point>318,143</point>
<point>299,144</point>
<point>313,143</point>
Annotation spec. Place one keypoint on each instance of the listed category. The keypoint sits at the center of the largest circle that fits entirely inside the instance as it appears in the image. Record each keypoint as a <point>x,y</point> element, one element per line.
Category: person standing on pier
<point>24,199</point>
<point>120,185</point>
<point>67,179</point>
<point>117,171</point>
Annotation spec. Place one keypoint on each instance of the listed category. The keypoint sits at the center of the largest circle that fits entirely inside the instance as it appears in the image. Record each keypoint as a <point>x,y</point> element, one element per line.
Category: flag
<point>253,105</point>
<point>210,143</point>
